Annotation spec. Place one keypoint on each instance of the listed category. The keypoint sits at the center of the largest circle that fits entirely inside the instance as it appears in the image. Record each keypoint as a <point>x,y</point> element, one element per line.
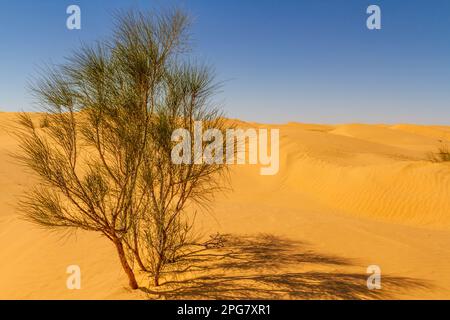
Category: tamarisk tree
<point>104,155</point>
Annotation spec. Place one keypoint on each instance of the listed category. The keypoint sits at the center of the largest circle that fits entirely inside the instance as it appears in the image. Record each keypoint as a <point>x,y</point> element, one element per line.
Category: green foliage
<point>104,162</point>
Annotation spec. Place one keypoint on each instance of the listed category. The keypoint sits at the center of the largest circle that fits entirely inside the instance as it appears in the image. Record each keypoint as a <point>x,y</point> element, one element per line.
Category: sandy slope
<point>346,196</point>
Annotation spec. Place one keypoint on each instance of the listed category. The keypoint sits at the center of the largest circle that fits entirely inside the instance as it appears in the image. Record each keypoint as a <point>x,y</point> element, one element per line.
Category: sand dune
<point>346,196</point>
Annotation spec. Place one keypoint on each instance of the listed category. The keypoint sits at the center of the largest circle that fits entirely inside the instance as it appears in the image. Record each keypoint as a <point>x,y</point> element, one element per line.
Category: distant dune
<point>363,194</point>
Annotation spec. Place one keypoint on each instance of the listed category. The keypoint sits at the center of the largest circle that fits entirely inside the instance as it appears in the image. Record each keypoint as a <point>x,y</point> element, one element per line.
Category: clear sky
<point>280,61</point>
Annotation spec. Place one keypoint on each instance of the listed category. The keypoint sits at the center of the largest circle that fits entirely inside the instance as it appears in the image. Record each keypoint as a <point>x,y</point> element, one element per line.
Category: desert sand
<point>346,197</point>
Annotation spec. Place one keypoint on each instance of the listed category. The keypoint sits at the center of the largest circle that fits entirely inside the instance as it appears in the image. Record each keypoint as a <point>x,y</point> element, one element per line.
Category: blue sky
<point>279,61</point>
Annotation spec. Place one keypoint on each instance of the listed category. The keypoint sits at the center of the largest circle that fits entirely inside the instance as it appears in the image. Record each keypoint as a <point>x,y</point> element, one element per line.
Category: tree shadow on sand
<point>269,267</point>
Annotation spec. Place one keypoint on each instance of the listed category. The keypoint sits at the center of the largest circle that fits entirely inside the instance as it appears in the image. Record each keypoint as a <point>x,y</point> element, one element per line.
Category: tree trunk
<point>157,272</point>
<point>126,267</point>
<point>136,254</point>
<point>139,261</point>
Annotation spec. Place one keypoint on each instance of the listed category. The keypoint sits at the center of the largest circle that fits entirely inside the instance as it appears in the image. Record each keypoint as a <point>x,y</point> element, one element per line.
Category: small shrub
<point>442,155</point>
